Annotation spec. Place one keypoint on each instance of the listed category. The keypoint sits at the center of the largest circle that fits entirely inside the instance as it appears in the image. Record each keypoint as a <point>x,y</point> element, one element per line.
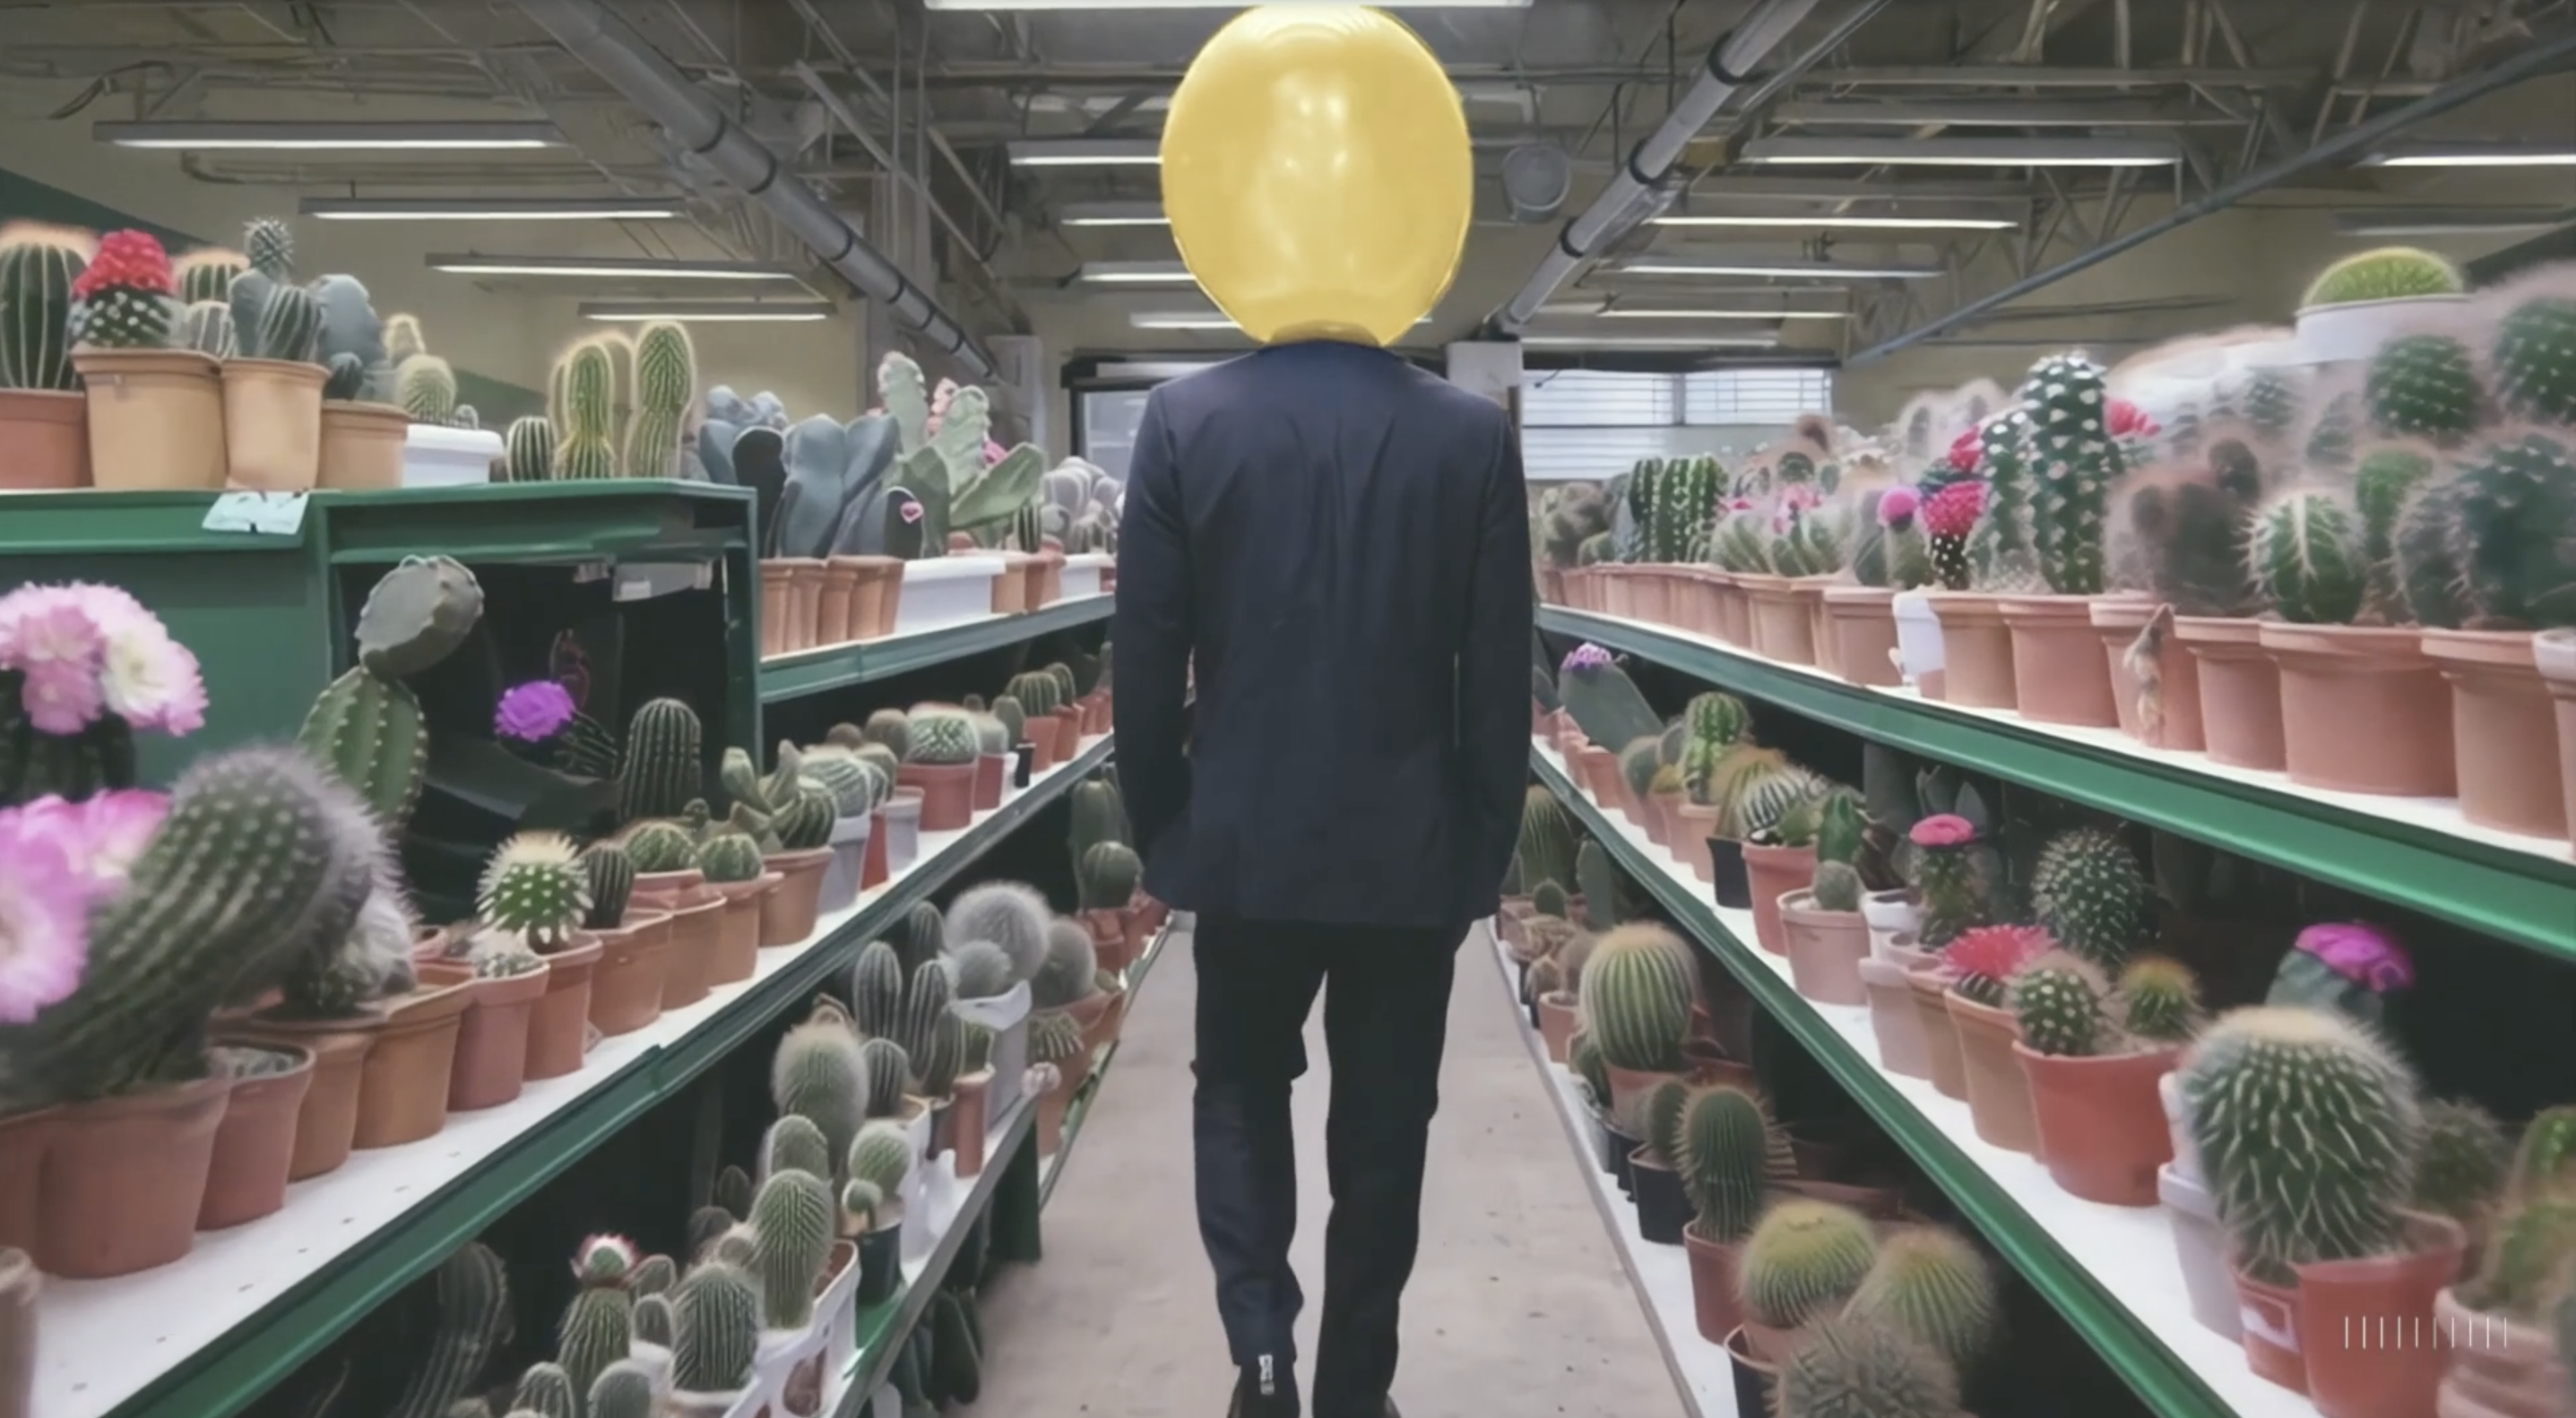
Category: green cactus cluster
<point>2388,273</point>
<point>715,1329</point>
<point>2308,557</point>
<point>1036,691</point>
<point>2424,386</point>
<point>1803,1262</point>
<point>425,386</point>
<point>1724,1153</point>
<point>2091,895</point>
<point>666,384</point>
<point>1008,914</point>
<point>1856,1369</point>
<point>38,265</point>
<point>665,767</point>
<point>2533,356</point>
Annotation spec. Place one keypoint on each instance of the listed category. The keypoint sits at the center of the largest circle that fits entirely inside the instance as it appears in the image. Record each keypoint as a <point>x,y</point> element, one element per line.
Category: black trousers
<point>1386,1015</point>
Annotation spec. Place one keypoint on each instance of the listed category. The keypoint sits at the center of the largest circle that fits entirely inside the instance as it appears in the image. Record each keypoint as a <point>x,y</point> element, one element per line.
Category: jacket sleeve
<point>1151,630</point>
<point>1493,665</point>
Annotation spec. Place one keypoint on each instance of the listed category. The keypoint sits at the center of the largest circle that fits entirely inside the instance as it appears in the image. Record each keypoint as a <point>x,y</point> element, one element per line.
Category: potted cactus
<point>1780,849</point>
<point>1654,1164</point>
<point>939,759</point>
<point>1713,722</point>
<point>858,787</point>
<point>1635,1004</point>
<point>532,899</point>
<point>1821,924</point>
<point>1894,556</point>
<point>1725,1151</point>
<point>2094,1057</point>
<point>1979,966</point>
<point>44,423</point>
<point>503,979</point>
<point>715,1340</point>
<point>940,483</point>
<point>634,944</point>
<point>729,856</point>
<point>1039,696</point>
<point>272,375</point>
<point>2074,466</point>
<point>669,878</point>
<point>992,758</point>
<point>156,413</point>
<point>445,444</point>
<point>2357,302</point>
<point>1555,984</point>
<point>2515,1369</point>
<point>1984,547</point>
<point>363,430</point>
<point>1934,1288</point>
<point>2176,638</point>
<point>1851,1367</point>
<point>2311,1158</point>
<point>1799,1267</point>
<point>1106,873</point>
<point>792,820</point>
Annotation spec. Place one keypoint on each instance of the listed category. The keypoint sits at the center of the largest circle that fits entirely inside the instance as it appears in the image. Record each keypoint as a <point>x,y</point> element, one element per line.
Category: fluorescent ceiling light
<point>1846,221</point>
<point>1086,152</point>
<point>1774,270</point>
<point>2474,154</point>
<point>1138,273</point>
<point>1960,152</point>
<point>1194,320</point>
<point>492,209</point>
<point>1111,214</point>
<point>710,310</point>
<point>1154,368</point>
<point>2430,221</point>
<point>1197,4</point>
<point>368,136</point>
<point>1625,312</point>
<point>631,267</point>
<point>1652,342</point>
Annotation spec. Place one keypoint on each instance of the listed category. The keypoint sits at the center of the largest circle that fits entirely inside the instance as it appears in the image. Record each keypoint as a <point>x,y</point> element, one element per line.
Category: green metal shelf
<point>2521,896</point>
<point>785,677</point>
<point>2170,1386</point>
<point>227,1375</point>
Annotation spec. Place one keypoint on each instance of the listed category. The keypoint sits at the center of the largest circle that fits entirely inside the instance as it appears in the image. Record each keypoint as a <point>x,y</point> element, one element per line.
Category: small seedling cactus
<point>1803,1262</point>
<point>2389,273</point>
<point>2308,557</point>
<point>2533,356</point>
<point>1855,1369</point>
<point>125,299</point>
<point>1932,1285</point>
<point>2057,1001</point>
<point>536,889</point>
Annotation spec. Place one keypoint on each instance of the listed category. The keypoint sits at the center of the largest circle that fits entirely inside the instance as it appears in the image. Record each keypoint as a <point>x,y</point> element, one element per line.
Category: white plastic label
<point>278,514</point>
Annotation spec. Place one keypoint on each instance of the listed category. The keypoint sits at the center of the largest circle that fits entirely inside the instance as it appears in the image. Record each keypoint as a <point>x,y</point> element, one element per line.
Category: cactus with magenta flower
<point>1950,518</point>
<point>1949,877</point>
<point>1604,702</point>
<point>1984,960</point>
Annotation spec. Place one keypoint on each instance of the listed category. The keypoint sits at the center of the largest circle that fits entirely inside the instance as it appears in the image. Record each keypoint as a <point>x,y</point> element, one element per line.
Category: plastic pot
<point>2269,1329</point>
<point>2058,672</point>
<point>1890,914</point>
<point>491,1059</point>
<point>697,930</point>
<point>272,423</point>
<point>1663,1208</point>
<point>788,912</point>
<point>2102,1130</point>
<point>1715,1309</point>
<point>903,828</point>
<point>737,954</point>
<point>362,446</point>
<point>326,1122</point>
<point>1557,1022</point>
<point>1782,629</point>
<point>2499,1367</point>
<point>947,793</point>
<point>634,965</point>
<point>559,1027</point>
<point>1976,650</point>
<point>1861,631</point>
<point>1623,1149</point>
<point>402,1091</point>
<point>2363,710</point>
<point>1729,884</point>
<point>156,419</point>
<point>2503,723</point>
<point>125,1179</point>
<point>44,440</point>
<point>2345,1306</point>
<point>2240,691</point>
<point>1948,1070</point>
<point>1771,873</point>
<point>1892,1019</point>
<point>255,1145</point>
<point>2200,1248</point>
<point>1825,949</point>
<point>1998,1091</point>
<point>1755,1380</point>
<point>2177,1111</point>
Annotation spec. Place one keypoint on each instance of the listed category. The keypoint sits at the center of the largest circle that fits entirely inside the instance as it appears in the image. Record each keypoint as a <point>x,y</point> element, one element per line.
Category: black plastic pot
<point>1022,755</point>
<point>1753,1381</point>
<point>880,1265</point>
<point>1733,887</point>
<point>1662,1207</point>
<point>1620,1148</point>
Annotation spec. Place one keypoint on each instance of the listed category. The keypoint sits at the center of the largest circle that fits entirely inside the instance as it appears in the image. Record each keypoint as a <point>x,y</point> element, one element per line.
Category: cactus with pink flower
<point>83,668</point>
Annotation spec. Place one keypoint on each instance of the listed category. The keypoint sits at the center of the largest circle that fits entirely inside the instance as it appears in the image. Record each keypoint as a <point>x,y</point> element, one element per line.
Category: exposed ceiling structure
<point>1905,171</point>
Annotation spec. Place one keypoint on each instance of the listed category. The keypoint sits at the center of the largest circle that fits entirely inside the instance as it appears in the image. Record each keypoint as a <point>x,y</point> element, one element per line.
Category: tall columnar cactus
<point>1803,1262</point>
<point>665,761</point>
<point>2006,448</point>
<point>2090,894</point>
<point>1098,815</point>
<point>2516,506</point>
<point>473,1323</point>
<point>876,992</point>
<point>1640,497</point>
<point>2058,1003</point>
<point>545,1391</point>
<point>2075,464</point>
<point>2533,356</point>
<point>2386,481</point>
<point>929,1027</point>
<point>1636,998</point>
<point>586,422</point>
<point>1547,840</point>
<point>1934,1286</point>
<point>39,266</point>
<point>597,1331</point>
<point>2307,556</point>
<point>535,888</point>
<point>1725,1149</point>
<point>1840,832</point>
<point>1851,1368</point>
<point>1685,503</point>
<point>1605,704</point>
<point>889,1072</point>
<point>1599,883</point>
<point>2424,386</point>
<point>528,449</point>
<point>715,1330</point>
<point>941,736</point>
<point>2307,1128</point>
<point>425,386</point>
<point>2388,273</point>
<point>125,299</point>
<point>795,1216</point>
<point>820,1075</point>
<point>666,382</point>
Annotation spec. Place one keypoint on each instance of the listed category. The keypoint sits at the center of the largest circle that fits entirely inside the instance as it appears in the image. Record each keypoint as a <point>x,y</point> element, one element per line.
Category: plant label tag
<point>277,514</point>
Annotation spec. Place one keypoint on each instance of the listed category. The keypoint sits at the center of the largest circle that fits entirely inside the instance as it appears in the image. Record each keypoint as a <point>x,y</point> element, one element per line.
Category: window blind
<point>1755,396</point>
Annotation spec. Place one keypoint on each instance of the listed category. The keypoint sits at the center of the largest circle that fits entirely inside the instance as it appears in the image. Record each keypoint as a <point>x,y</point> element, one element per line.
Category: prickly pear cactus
<point>417,615</point>
<point>2424,386</point>
<point>2307,556</point>
<point>2534,358</point>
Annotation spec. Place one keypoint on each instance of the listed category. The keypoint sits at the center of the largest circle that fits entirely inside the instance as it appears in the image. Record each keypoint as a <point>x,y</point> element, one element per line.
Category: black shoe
<point>1266,1389</point>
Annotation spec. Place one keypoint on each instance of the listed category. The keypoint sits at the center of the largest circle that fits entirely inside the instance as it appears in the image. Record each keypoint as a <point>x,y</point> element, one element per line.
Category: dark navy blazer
<point>1341,542</point>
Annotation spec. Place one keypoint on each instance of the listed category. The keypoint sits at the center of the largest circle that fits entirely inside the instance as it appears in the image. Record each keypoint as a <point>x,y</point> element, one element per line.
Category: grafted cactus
<point>125,298</point>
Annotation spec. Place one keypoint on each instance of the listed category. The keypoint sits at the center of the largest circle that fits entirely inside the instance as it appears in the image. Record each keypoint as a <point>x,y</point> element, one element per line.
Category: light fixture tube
<point>1653,342</point>
<point>1960,152</point>
<point>324,137</point>
<point>1111,214</point>
<point>709,310</point>
<point>1137,273</point>
<point>1844,221</point>
<point>2474,154</point>
<point>1086,152</point>
<point>491,209</point>
<point>1193,320</point>
<point>2431,221</point>
<point>1620,312</point>
<point>1061,5</point>
<point>629,267</point>
<point>1786,270</point>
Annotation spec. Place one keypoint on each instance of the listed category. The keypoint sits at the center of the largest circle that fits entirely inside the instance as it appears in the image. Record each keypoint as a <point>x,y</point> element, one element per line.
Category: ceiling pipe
<point>1639,190</point>
<point>652,83</point>
<point>2543,57</point>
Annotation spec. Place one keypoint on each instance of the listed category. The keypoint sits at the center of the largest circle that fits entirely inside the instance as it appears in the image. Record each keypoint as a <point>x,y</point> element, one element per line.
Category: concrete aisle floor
<point>1518,1305</point>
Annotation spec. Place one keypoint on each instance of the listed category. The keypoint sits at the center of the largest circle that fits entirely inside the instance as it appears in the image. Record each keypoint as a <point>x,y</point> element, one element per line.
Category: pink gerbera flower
<point>1944,829</point>
<point>44,916</point>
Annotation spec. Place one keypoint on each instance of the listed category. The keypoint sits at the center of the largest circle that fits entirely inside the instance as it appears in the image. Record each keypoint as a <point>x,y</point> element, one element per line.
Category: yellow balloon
<point>1317,174</point>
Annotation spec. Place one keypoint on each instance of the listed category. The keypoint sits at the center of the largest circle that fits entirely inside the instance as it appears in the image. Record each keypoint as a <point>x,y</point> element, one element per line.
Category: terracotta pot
<point>992,774</point>
<point>44,440</point>
<point>1011,588</point>
<point>967,1122</point>
<point>125,1177</point>
<point>2240,691</point>
<point>1825,949</point>
<point>947,793</point>
<point>2058,673</point>
<point>1892,1019</point>
<point>1627,1086</point>
<point>697,935</point>
<point>326,1124</point>
<point>2555,653</point>
<point>1809,593</point>
<point>2348,1307</point>
<point>2498,1367</point>
<point>1039,735</point>
<point>1099,1016</point>
<point>2200,1249</point>
<point>1734,612</point>
<point>804,600</point>
<point>2268,1316</point>
<point>1659,818</point>
<point>1861,633</point>
<point>24,1140</point>
<point>1069,735</point>
<point>1976,650</point>
<point>1756,1381</point>
<point>1071,1075</point>
<point>1693,824</point>
<point>2363,710</point>
<point>362,446</point>
<point>634,965</point>
<point>491,1062</point>
<point>2101,1126</point>
<point>876,860</point>
<point>402,1093</point>
<point>737,952</point>
<point>255,1145</point>
<point>2503,723</point>
<point>660,890</point>
<point>1998,1092</point>
<point>19,1287</point>
<point>788,914</point>
<point>1557,1022</point>
<point>156,420</point>
<point>1771,873</point>
<point>1878,1203</point>
<point>1714,1304</point>
<point>559,1027</point>
<point>1782,629</point>
<point>777,583</point>
<point>832,602</point>
<point>876,588</point>
<point>272,423</point>
<point>1946,1066</point>
<point>2118,620</point>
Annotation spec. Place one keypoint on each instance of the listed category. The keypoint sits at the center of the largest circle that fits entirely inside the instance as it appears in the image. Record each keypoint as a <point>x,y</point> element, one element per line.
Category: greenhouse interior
<point>559,562</point>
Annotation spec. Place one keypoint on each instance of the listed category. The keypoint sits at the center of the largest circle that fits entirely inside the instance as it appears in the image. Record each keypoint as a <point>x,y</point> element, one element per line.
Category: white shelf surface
<point>100,1342</point>
<point>1661,1274</point>
<point>2128,1250</point>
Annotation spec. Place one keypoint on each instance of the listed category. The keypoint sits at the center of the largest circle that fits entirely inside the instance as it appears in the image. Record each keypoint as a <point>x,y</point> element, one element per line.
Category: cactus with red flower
<point>126,298</point>
<point>1949,521</point>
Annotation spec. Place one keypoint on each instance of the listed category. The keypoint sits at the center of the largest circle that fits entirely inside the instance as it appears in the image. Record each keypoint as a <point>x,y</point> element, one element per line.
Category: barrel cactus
<point>529,449</point>
<point>1725,1150</point>
<point>2057,1001</point>
<point>2272,402</point>
<point>623,1390</point>
<point>2515,504</point>
<point>425,386</point>
<point>661,845</point>
<point>1636,998</point>
<point>1107,876</point>
<point>2159,1001</point>
<point>2088,891</point>
<point>876,991</point>
<point>2307,1127</point>
<point>2424,386</point>
<point>941,736</point>
<point>981,970</point>
<point>39,265</point>
<point>1804,1260</point>
<point>1931,1284</point>
<point>889,1073</point>
<point>715,1330</point>
<point>2386,480</point>
<point>2462,1162</point>
<point>2534,358</point>
<point>1071,969</point>
<point>1009,914</point>
<point>2307,555</point>
<point>1856,1369</point>
<point>2388,273</point>
<point>795,1216</point>
<point>819,1074</point>
<point>536,888</point>
<point>730,856</point>
<point>1984,959</point>
<point>665,764</point>
<point>881,1154</point>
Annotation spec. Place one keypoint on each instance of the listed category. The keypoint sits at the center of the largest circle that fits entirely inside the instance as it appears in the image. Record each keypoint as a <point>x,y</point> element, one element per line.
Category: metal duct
<point>1638,191</point>
<point>693,119</point>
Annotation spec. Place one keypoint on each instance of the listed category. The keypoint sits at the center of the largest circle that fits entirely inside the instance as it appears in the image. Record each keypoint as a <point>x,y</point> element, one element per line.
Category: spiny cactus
<point>529,449</point>
<point>207,274</point>
<point>2088,891</point>
<point>473,1322</point>
<point>2057,1001</point>
<point>2307,1127</point>
<point>425,386</point>
<point>795,1217</point>
<point>893,728</point>
<point>2527,1261</point>
<point>820,1075</point>
<point>1070,968</point>
<point>1108,875</point>
<point>545,1391</point>
<point>930,1030</point>
<point>2388,273</point>
<point>207,328</point>
<point>2387,478</point>
<point>794,1144</point>
<point>715,1330</point>
<point>1009,914</point>
<point>981,970</point>
<point>2544,1162</point>
<point>125,299</point>
<point>1636,997</point>
<point>1035,692</point>
<point>2515,504</point>
<point>661,845</point>
<point>1725,1150</point>
<point>804,821</point>
<point>1951,880</point>
<point>2424,386</point>
<point>881,1154</point>
<point>2272,402</point>
<point>2307,555</point>
<point>941,736</point>
<point>625,1389</point>
<point>585,412</point>
<point>2534,358</point>
<point>2074,465</point>
<point>1546,839</point>
<point>2159,1001</point>
<point>665,763</point>
<point>535,888</point>
<point>666,381</point>
<point>1803,1261</point>
<point>876,992</point>
<point>889,1070</point>
<point>856,786</point>
<point>1054,1038</point>
<point>39,267</point>
<point>1985,958</point>
<point>597,1330</point>
<point>1934,1287</point>
<point>2460,1163</point>
<point>273,319</point>
<point>651,1276</point>
<point>1856,1369</point>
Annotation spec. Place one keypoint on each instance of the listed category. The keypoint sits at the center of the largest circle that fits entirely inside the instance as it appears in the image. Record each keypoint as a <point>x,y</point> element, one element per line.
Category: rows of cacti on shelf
<point>2108,1018</point>
<point>2264,548</point>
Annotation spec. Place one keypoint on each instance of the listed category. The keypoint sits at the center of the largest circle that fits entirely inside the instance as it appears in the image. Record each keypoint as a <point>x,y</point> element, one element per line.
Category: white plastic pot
<point>2341,334</point>
<point>1918,637</point>
<point>1083,572</point>
<point>1007,1015</point>
<point>1889,915</point>
<point>840,889</point>
<point>2200,1247</point>
<point>946,590</point>
<point>903,830</point>
<point>2186,1155</point>
<point>916,1181</point>
<point>436,456</point>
